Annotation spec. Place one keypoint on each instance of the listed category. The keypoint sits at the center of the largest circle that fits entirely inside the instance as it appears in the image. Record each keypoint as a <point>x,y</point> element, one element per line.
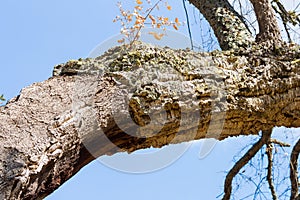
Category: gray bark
<point>55,127</point>
<point>268,27</point>
<point>228,25</point>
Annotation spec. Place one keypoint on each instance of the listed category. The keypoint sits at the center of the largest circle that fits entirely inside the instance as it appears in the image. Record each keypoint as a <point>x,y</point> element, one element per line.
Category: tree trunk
<point>55,127</point>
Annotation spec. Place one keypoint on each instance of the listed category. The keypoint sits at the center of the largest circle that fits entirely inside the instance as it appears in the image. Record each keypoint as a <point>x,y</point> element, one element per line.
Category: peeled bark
<point>55,127</point>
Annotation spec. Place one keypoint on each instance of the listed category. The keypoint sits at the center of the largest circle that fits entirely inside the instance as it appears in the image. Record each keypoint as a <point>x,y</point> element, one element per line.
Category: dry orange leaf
<point>138,8</point>
<point>129,17</point>
<point>166,19</point>
<point>169,7</point>
<point>139,2</point>
<point>139,20</point>
<point>152,19</point>
<point>177,21</point>
<point>156,35</point>
<point>121,41</point>
<point>175,27</point>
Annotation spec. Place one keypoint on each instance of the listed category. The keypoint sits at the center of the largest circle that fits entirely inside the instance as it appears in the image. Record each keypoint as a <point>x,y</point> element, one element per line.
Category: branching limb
<point>287,17</point>
<point>45,129</point>
<point>269,152</point>
<point>284,16</point>
<point>294,171</point>
<point>280,143</point>
<point>243,161</point>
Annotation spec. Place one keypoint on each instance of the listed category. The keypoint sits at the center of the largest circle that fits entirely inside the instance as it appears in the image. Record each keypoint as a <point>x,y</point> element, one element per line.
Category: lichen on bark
<point>42,123</point>
<point>227,24</point>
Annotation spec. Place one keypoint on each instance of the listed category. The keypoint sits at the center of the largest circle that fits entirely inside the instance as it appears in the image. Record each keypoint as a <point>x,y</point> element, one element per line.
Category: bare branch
<point>282,144</point>
<point>243,161</point>
<point>284,16</point>
<point>294,171</point>
<point>188,23</point>
<point>269,152</point>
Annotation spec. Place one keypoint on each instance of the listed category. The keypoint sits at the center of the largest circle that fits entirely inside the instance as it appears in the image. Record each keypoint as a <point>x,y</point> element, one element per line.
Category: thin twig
<point>188,24</point>
<point>286,17</point>
<point>243,161</point>
<point>269,152</point>
<point>282,144</point>
<point>258,186</point>
<point>294,171</point>
<point>284,21</point>
<point>145,18</point>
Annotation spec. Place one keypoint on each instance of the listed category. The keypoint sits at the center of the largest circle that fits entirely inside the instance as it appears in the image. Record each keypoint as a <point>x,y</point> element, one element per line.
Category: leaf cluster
<point>132,21</point>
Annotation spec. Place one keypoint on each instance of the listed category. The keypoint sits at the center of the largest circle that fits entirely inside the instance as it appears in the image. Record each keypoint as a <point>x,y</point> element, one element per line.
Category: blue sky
<point>36,35</point>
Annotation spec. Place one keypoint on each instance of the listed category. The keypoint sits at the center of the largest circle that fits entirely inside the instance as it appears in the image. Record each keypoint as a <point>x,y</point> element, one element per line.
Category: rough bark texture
<point>38,147</point>
<point>268,27</point>
<point>227,24</point>
<point>55,127</point>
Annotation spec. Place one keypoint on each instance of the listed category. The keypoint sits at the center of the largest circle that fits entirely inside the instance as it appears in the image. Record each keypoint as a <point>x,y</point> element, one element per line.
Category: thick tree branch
<point>230,28</point>
<point>54,128</point>
<point>228,25</point>
<point>268,26</point>
<point>294,172</point>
